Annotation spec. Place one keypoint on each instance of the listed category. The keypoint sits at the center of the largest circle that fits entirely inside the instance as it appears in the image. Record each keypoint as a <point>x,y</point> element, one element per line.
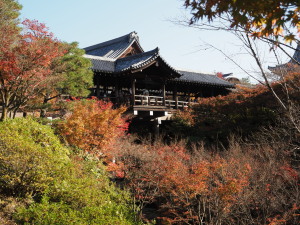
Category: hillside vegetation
<point>44,182</point>
<point>236,161</point>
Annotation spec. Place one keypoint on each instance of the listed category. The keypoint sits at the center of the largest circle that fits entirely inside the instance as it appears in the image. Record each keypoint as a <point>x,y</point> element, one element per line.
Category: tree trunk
<point>43,113</point>
<point>44,110</point>
<point>4,112</point>
<point>47,98</point>
<point>15,112</point>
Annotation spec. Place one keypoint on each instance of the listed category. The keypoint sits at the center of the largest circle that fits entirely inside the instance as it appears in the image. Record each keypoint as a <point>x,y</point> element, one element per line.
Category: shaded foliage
<point>215,119</point>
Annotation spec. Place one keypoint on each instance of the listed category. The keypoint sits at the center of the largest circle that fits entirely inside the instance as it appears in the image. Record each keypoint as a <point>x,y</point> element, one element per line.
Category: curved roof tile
<point>203,79</point>
<point>102,64</point>
<point>115,47</point>
<point>136,61</point>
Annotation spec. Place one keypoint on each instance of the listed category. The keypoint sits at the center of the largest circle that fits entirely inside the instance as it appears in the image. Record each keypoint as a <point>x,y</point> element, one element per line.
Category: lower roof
<point>201,78</point>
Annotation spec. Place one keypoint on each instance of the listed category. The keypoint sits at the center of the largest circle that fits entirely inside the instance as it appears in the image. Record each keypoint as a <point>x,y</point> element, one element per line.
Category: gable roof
<point>134,62</point>
<point>115,47</point>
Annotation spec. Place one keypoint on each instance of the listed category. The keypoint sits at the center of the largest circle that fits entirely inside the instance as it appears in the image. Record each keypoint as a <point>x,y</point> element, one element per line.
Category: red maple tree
<point>24,63</point>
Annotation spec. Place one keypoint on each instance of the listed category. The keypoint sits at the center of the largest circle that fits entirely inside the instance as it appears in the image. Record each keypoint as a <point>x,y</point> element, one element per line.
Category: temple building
<point>290,66</point>
<point>126,74</point>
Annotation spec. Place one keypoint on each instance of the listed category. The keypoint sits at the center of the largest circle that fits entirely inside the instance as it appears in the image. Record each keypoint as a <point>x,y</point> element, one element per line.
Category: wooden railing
<point>176,104</point>
<point>148,100</point>
<point>158,101</point>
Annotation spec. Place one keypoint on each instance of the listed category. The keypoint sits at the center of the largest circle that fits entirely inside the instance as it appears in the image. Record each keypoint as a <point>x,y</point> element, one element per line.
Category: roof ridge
<point>156,51</point>
<point>99,57</point>
<point>194,71</point>
<point>129,37</point>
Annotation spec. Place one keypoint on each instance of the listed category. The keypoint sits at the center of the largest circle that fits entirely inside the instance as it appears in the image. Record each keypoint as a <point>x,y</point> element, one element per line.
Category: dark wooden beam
<point>164,92</point>
<point>133,81</point>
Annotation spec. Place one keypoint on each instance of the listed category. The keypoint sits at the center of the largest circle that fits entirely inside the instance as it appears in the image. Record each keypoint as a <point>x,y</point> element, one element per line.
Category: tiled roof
<point>115,47</point>
<point>195,77</point>
<point>136,61</point>
<point>289,65</point>
<point>104,57</point>
<point>102,64</point>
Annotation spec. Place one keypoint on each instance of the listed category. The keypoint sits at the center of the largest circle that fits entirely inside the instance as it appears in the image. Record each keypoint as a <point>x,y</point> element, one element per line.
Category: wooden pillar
<point>201,93</point>
<point>212,92</point>
<point>175,97</point>
<point>164,93</point>
<point>156,128</point>
<point>117,92</point>
<point>133,91</point>
<point>97,86</point>
<point>105,90</point>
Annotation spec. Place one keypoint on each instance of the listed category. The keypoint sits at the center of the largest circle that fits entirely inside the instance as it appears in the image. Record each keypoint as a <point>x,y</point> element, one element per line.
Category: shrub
<point>245,184</point>
<point>216,118</point>
<point>93,125</point>
<point>81,195</point>
<point>30,157</point>
<point>53,186</point>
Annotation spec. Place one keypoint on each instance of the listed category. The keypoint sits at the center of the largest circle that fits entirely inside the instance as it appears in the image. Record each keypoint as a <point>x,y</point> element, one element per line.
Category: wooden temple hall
<point>126,74</point>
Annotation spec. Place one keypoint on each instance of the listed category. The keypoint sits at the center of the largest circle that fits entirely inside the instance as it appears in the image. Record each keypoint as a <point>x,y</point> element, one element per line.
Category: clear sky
<point>94,21</point>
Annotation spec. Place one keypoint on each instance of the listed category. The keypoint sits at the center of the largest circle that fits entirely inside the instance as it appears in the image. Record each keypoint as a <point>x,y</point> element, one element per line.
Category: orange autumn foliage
<point>184,184</point>
<point>94,126</point>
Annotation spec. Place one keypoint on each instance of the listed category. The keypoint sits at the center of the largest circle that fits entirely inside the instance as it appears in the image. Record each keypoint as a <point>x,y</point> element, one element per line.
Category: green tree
<point>71,76</point>
<point>246,81</point>
<point>9,13</point>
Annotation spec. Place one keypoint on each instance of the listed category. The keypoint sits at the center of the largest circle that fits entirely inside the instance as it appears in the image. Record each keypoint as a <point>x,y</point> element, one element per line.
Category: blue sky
<point>93,21</point>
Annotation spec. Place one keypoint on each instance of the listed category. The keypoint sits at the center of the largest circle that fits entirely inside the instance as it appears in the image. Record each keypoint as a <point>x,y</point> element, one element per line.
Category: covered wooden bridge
<point>125,74</point>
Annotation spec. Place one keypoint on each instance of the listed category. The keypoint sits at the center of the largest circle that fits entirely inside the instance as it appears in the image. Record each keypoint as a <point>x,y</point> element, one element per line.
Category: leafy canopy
<point>263,18</point>
<point>9,13</point>
<point>71,73</point>
<point>77,75</point>
<point>26,64</point>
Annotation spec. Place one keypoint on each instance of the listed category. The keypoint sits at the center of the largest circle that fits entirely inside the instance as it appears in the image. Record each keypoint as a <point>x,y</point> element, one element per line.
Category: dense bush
<point>31,156</point>
<point>244,111</point>
<point>81,195</point>
<point>246,184</point>
<point>56,187</point>
<point>93,125</point>
<point>216,118</point>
